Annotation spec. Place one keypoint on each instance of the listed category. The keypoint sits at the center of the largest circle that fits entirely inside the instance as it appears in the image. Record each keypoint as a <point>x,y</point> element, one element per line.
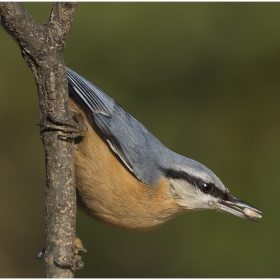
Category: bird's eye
<point>205,187</point>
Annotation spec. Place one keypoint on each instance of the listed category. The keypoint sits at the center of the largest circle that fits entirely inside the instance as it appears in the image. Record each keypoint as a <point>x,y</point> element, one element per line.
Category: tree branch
<point>42,46</point>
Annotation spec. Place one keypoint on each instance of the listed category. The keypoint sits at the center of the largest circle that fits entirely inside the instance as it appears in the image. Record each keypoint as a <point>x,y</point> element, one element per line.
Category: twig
<point>42,46</point>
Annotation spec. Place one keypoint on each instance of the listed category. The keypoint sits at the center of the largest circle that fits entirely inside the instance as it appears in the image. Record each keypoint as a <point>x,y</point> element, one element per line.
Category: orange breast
<point>107,191</point>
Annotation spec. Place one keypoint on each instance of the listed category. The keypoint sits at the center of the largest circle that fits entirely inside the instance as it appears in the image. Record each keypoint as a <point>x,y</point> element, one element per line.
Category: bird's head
<point>195,187</point>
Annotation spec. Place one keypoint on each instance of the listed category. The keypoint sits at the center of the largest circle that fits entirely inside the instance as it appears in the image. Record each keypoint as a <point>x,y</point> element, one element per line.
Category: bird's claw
<point>41,254</point>
<point>71,127</point>
<point>75,263</point>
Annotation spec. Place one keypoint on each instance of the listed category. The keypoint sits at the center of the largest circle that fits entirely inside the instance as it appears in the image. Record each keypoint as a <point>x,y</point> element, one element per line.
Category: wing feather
<point>95,98</point>
<point>135,146</point>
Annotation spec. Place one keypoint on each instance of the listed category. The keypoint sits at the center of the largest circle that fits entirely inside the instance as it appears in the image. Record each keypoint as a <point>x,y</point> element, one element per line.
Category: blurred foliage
<point>204,78</point>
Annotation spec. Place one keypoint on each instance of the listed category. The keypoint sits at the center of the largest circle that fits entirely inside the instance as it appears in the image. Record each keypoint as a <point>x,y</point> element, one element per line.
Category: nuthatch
<point>127,178</point>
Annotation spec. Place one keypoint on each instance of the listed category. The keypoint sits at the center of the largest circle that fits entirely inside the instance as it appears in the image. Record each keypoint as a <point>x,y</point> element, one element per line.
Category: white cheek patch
<point>191,197</point>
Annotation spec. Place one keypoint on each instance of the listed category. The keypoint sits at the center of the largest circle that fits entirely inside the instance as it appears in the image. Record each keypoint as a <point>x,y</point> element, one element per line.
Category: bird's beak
<point>240,208</point>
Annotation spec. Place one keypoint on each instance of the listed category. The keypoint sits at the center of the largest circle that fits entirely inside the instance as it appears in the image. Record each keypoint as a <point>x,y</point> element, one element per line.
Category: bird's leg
<point>76,262</point>
<point>71,127</point>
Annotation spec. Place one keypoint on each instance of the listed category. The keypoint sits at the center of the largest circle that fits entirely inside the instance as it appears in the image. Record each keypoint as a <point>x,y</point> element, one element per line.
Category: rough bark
<point>42,46</point>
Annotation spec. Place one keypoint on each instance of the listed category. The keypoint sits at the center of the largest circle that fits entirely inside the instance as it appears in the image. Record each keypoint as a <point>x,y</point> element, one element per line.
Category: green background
<point>204,79</point>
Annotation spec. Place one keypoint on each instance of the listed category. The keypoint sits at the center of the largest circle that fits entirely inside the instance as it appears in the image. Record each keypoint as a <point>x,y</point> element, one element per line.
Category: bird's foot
<point>75,263</point>
<point>70,127</point>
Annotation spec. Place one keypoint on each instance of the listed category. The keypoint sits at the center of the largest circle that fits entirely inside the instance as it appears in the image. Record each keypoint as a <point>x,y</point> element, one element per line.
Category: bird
<point>126,178</point>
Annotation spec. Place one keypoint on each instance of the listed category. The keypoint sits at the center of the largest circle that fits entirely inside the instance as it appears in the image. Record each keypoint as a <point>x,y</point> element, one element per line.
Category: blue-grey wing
<point>136,147</point>
<point>95,99</point>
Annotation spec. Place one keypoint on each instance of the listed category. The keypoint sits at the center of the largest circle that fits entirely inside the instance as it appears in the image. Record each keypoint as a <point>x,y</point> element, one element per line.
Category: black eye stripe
<point>180,175</point>
<point>213,190</point>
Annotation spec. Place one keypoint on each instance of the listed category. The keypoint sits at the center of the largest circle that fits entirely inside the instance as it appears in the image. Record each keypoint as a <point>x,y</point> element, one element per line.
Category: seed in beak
<point>250,213</point>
